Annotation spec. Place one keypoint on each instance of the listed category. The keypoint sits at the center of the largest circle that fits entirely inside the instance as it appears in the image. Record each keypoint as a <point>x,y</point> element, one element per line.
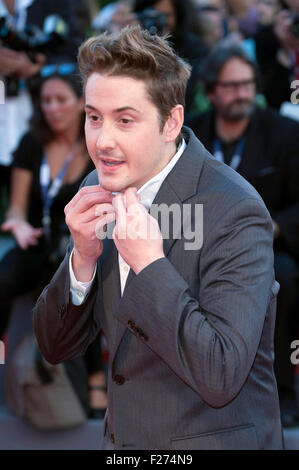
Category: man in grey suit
<point>188,315</point>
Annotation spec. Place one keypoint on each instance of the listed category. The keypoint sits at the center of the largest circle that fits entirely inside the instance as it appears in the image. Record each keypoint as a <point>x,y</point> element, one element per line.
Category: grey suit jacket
<point>191,339</point>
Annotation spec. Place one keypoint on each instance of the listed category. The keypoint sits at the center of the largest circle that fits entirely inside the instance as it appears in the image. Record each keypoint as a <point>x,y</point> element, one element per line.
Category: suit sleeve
<point>209,341</point>
<point>64,330</point>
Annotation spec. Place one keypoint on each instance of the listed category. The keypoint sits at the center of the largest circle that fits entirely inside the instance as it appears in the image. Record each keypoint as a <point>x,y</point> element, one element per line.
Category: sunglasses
<point>62,69</point>
<point>234,85</point>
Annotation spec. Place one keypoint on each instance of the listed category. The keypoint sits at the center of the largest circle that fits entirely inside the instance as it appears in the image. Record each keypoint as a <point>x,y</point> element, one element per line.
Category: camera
<point>152,20</point>
<point>294,29</point>
<point>32,41</point>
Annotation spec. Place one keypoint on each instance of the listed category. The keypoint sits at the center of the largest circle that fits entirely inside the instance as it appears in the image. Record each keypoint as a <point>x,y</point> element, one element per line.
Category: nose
<point>240,92</point>
<point>51,106</point>
<point>106,138</point>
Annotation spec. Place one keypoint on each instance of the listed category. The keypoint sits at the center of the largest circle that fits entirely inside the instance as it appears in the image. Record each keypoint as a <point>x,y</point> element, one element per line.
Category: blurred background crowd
<point>242,102</point>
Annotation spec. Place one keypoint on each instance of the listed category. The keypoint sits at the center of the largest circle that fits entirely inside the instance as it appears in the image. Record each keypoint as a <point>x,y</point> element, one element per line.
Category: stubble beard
<point>238,110</point>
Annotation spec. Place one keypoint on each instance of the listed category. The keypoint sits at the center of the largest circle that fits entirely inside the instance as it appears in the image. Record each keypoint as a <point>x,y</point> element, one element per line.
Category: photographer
<point>17,66</point>
<point>180,24</point>
<point>277,49</point>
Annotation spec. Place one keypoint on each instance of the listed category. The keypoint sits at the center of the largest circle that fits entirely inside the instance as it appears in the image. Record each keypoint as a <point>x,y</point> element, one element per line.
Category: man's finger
<point>88,200</point>
<point>101,225</point>
<point>102,209</point>
<point>95,211</point>
<point>119,207</point>
<point>82,192</point>
<point>131,196</point>
<point>121,215</point>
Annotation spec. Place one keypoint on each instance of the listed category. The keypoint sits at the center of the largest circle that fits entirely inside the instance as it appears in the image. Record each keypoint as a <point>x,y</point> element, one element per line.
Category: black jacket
<point>270,162</point>
<point>40,9</point>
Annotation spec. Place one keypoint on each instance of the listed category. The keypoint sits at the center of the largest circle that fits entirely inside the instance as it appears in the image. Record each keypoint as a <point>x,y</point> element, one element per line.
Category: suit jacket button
<point>142,334</point>
<point>145,337</point>
<point>119,379</point>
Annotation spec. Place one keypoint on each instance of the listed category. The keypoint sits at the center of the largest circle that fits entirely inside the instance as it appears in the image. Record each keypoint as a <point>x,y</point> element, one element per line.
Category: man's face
<point>123,132</point>
<point>234,94</point>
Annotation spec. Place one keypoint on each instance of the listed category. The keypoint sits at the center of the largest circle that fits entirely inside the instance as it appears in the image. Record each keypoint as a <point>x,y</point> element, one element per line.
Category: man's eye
<point>94,119</point>
<point>126,121</point>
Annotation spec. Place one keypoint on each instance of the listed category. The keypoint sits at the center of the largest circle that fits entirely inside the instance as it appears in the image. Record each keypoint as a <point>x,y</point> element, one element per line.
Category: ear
<point>174,123</point>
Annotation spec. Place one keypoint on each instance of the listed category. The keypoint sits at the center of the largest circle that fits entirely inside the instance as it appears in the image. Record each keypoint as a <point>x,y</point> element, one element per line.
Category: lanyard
<point>49,193</point>
<point>236,159</point>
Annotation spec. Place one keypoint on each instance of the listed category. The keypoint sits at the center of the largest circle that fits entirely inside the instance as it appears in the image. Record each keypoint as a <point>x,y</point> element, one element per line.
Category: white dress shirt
<point>147,193</point>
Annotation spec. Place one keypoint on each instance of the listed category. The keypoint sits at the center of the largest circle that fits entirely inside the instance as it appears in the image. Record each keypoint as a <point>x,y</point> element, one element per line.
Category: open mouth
<point>111,164</point>
<point>107,163</point>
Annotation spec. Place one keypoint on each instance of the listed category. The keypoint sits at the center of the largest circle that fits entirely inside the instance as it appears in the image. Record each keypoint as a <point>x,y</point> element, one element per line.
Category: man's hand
<point>136,234</point>
<point>87,214</point>
<point>8,61</point>
<point>18,63</point>
<point>26,68</point>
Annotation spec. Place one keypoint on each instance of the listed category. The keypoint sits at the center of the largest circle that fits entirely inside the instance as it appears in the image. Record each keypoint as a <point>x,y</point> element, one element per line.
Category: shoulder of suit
<point>225,184</point>
<point>215,181</point>
<point>91,179</point>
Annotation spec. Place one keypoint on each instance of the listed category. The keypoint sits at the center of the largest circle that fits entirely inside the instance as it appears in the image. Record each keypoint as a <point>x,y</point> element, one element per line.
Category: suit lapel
<point>165,195</point>
<point>111,291</point>
<point>180,184</point>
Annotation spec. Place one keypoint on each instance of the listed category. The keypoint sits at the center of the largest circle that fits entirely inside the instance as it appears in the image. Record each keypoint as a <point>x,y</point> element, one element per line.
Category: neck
<point>67,137</point>
<point>229,131</point>
<point>172,151</point>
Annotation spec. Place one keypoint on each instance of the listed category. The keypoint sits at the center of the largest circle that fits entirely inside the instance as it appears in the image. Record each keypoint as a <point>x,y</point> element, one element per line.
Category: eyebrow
<point>118,110</point>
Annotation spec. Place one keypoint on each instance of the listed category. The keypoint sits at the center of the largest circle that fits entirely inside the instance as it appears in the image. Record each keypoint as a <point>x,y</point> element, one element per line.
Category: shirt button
<point>126,269</point>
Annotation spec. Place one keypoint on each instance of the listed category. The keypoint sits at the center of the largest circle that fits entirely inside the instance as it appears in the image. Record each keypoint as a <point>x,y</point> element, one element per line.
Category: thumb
<point>131,196</point>
<point>6,226</point>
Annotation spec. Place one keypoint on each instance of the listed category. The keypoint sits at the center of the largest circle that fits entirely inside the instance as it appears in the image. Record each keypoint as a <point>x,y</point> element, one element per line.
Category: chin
<point>112,186</point>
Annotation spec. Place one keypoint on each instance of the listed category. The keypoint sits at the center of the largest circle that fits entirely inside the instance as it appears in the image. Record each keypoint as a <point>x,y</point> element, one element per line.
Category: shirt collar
<point>150,189</point>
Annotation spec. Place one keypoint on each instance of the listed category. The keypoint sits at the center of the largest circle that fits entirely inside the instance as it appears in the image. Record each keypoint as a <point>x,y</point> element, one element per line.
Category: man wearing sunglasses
<point>262,146</point>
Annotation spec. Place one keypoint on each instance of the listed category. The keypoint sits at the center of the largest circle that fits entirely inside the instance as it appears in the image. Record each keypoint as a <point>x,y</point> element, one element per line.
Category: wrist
<point>83,267</point>
<point>140,266</point>
<point>14,213</point>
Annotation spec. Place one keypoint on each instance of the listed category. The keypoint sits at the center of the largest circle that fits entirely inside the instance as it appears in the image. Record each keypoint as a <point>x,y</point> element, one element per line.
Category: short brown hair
<point>135,53</point>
